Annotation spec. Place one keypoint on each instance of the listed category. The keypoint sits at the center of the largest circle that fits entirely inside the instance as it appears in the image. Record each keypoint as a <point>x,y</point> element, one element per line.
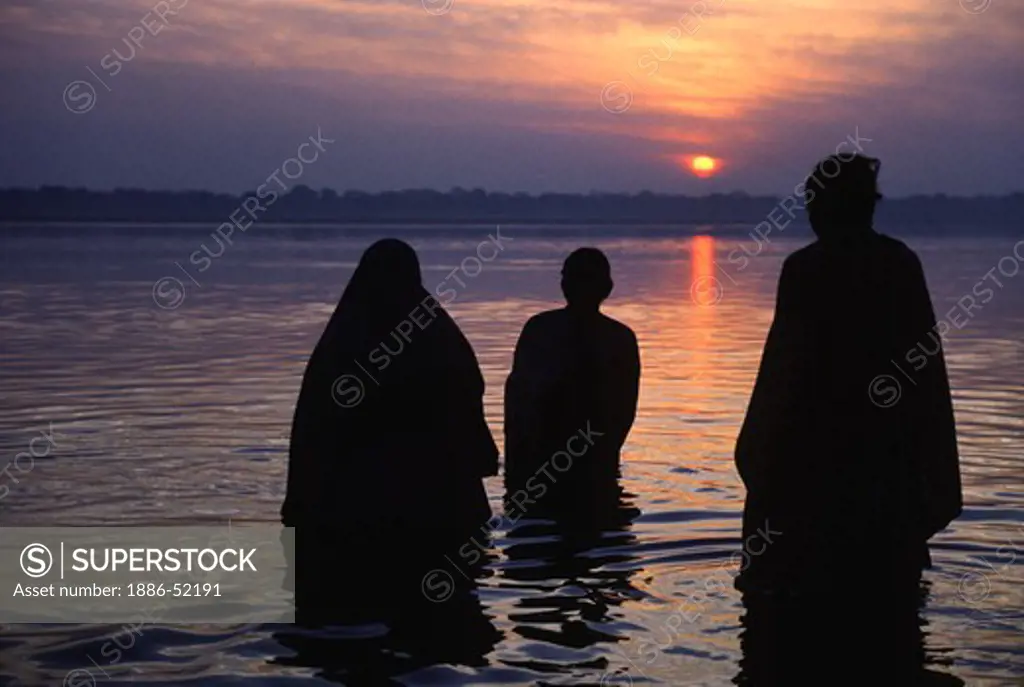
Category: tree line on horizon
<point>424,206</point>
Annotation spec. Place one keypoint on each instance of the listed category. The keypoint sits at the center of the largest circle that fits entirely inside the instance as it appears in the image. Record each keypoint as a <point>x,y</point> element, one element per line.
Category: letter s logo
<point>79,97</point>
<point>36,560</point>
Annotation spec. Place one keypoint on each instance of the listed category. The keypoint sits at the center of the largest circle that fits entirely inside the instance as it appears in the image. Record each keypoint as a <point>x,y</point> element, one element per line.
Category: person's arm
<point>455,393</point>
<point>521,399</point>
<point>626,389</point>
<point>934,426</point>
<point>488,456</point>
<point>306,436</point>
<point>769,422</point>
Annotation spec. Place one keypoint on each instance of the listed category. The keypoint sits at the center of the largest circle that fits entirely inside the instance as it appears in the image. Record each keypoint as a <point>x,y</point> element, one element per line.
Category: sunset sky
<point>512,95</point>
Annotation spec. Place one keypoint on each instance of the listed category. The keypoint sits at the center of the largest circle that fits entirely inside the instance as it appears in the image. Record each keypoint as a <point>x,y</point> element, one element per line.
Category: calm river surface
<point>181,415</point>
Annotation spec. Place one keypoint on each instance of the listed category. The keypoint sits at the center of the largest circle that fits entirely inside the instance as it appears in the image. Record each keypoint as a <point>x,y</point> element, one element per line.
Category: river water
<point>176,408</point>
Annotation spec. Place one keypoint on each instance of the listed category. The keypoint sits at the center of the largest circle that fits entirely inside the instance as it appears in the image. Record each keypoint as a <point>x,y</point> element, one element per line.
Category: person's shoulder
<point>615,325</point>
<point>546,318</point>
<point>799,259</point>
<point>819,251</point>
<point>802,255</point>
<point>897,248</point>
<point>546,321</point>
<point>619,330</point>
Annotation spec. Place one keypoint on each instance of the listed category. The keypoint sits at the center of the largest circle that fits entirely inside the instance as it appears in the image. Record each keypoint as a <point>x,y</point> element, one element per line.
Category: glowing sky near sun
<point>517,94</point>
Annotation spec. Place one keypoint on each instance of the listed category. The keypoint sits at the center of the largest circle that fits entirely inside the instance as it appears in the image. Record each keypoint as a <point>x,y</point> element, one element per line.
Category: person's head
<point>841,193</point>
<point>586,278</point>
<point>388,272</point>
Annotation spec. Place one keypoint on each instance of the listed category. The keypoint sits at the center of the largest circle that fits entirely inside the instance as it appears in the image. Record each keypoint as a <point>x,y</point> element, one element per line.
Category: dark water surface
<point>181,415</point>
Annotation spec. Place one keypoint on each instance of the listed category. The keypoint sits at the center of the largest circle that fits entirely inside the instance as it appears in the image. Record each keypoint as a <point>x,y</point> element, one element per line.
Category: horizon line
<point>460,190</point>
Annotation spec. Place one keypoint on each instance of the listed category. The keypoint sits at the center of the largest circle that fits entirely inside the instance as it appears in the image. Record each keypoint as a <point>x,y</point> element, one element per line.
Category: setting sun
<point>703,165</point>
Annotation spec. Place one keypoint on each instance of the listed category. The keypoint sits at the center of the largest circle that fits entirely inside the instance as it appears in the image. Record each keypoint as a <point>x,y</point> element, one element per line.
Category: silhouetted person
<point>849,446</point>
<point>571,397</point>
<point>389,436</point>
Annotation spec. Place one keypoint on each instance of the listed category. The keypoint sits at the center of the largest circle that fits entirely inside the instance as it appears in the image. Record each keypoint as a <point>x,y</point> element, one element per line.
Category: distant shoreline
<point>303,206</point>
<point>745,231</point>
<point>368,224</point>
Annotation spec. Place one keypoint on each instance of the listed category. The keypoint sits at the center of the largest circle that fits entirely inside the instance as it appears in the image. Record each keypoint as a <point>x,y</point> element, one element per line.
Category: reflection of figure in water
<point>389,446</point>
<point>856,472</point>
<point>576,373</point>
<point>569,574</point>
<point>858,638</point>
<point>387,629</point>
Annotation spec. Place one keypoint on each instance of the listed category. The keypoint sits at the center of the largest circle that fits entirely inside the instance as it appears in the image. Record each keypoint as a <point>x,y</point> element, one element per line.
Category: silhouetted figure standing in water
<point>389,446</point>
<point>849,446</point>
<point>571,397</point>
<point>389,438</point>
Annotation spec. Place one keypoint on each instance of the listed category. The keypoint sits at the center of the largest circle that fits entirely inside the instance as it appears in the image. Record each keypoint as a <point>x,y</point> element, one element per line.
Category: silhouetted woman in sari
<point>389,437</point>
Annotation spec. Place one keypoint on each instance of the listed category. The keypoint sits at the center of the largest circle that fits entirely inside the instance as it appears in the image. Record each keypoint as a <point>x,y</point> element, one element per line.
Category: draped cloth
<point>848,447</point>
<point>389,436</point>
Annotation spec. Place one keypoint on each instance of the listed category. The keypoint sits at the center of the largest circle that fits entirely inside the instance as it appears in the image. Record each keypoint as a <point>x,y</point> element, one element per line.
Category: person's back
<point>570,399</point>
<point>848,448</point>
<point>389,434</point>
